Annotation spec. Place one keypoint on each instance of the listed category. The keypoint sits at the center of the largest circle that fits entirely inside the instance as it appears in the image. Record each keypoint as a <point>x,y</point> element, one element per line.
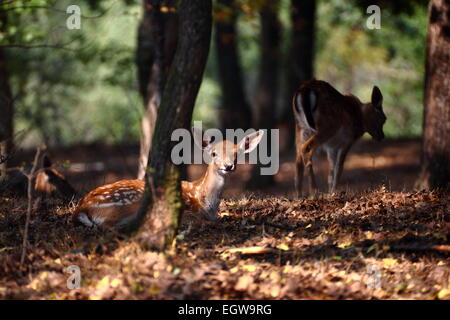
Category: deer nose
<point>380,136</point>
<point>229,167</point>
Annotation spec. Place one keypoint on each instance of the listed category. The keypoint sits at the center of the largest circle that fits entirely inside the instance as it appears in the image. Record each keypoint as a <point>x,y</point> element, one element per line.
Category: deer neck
<point>365,118</point>
<point>212,185</point>
<point>358,115</point>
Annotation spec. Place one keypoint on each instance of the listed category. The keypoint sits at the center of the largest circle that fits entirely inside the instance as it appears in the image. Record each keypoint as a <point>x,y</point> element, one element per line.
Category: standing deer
<point>116,204</point>
<point>324,117</point>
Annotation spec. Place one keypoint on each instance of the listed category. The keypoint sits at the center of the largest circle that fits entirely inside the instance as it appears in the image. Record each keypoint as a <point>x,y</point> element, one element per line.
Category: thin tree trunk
<point>267,90</point>
<point>162,208</point>
<point>157,38</point>
<point>6,108</point>
<point>301,57</point>
<point>436,128</point>
<point>235,111</point>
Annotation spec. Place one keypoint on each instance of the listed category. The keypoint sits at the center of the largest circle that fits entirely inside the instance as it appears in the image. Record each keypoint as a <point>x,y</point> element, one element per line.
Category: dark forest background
<point>82,86</point>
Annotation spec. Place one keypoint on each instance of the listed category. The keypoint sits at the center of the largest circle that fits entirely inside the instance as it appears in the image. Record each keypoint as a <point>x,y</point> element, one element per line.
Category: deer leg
<point>332,156</point>
<point>338,167</point>
<point>308,149</point>
<point>299,166</point>
<point>312,179</point>
<point>307,152</point>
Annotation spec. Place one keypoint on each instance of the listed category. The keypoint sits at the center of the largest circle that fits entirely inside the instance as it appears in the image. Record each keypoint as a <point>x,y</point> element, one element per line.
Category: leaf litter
<point>371,245</point>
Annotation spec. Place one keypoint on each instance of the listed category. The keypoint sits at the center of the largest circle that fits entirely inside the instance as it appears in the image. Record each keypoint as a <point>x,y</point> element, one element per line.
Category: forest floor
<point>377,238</point>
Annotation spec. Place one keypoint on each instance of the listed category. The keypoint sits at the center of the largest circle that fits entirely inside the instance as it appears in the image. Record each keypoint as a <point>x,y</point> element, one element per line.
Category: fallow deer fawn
<point>116,204</point>
<point>324,117</point>
<point>51,182</point>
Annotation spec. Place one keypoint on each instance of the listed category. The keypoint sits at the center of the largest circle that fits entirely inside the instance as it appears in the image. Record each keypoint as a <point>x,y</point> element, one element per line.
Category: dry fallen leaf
<point>344,244</point>
<point>444,294</point>
<point>389,262</point>
<point>283,246</point>
<point>253,250</point>
<point>275,291</point>
<point>243,283</point>
<point>250,268</point>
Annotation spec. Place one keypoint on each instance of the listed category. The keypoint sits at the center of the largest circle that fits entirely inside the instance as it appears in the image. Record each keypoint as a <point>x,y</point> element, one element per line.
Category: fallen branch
<point>253,250</point>
<point>441,248</point>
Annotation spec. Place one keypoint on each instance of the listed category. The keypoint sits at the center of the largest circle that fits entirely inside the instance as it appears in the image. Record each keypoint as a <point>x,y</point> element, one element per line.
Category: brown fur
<point>51,182</point>
<point>117,203</point>
<point>98,205</point>
<point>197,194</point>
<point>338,121</point>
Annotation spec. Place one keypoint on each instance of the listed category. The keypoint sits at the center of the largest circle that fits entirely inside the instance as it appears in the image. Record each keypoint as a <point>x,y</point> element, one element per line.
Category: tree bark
<point>267,90</point>
<point>162,206</point>
<point>157,38</point>
<point>301,57</point>
<point>6,107</point>
<point>436,127</point>
<point>234,111</point>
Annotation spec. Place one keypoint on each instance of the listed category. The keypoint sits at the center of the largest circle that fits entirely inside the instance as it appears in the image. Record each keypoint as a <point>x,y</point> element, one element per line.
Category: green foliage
<point>64,92</point>
<point>87,90</point>
<point>207,103</point>
<point>355,58</point>
<point>15,30</point>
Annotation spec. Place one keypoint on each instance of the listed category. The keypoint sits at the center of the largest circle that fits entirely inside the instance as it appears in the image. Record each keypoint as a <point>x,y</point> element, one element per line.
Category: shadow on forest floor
<point>366,242</point>
<point>377,244</point>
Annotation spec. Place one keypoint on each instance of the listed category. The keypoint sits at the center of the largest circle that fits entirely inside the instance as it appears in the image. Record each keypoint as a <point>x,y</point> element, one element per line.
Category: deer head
<point>224,154</point>
<point>49,181</point>
<point>374,117</point>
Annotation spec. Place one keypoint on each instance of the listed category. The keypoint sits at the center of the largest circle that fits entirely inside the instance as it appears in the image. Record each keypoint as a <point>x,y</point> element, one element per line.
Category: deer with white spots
<point>326,118</point>
<point>116,204</point>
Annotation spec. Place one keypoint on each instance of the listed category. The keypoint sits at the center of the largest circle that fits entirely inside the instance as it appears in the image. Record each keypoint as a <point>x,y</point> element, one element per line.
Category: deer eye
<point>213,154</point>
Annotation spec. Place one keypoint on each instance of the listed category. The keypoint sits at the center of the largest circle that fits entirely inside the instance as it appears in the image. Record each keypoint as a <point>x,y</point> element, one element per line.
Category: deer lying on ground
<point>116,204</point>
<point>324,117</point>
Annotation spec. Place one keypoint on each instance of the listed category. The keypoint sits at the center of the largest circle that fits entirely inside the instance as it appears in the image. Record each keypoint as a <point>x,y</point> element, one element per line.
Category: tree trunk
<point>436,128</point>
<point>162,208</point>
<point>157,38</point>
<point>301,57</point>
<point>234,111</point>
<point>6,108</point>
<point>266,93</point>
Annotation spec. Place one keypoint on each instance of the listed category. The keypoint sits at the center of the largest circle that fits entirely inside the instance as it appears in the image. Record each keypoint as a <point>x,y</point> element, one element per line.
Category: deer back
<point>320,108</point>
<point>112,204</point>
<point>51,182</point>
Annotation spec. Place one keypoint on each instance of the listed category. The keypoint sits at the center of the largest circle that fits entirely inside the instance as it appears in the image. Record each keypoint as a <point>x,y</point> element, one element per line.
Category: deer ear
<point>47,163</point>
<point>377,97</point>
<point>297,101</point>
<point>201,139</point>
<point>251,141</point>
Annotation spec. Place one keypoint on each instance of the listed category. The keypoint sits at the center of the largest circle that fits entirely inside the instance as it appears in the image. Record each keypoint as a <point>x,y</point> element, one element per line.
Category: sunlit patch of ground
<point>371,245</point>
